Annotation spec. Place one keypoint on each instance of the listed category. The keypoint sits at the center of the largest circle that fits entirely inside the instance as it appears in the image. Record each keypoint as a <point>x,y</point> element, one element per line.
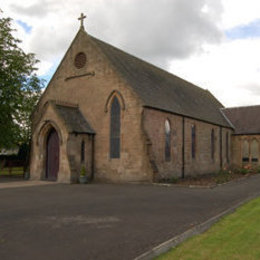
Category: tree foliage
<point>20,88</point>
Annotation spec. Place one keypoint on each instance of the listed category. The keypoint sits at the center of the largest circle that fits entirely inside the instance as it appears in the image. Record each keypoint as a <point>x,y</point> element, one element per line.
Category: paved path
<point>23,183</point>
<point>104,221</point>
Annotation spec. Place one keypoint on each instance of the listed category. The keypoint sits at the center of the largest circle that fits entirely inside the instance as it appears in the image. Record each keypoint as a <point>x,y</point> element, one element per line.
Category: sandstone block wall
<point>154,126</point>
<point>237,150</point>
<point>76,162</point>
<point>91,93</point>
<point>48,121</point>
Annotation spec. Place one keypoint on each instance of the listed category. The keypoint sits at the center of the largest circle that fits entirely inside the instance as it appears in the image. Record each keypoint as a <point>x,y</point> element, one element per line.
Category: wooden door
<point>52,156</point>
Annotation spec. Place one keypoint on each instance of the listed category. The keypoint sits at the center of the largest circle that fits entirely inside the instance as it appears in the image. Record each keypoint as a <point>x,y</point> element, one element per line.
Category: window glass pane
<point>82,151</point>
<point>193,141</point>
<point>115,129</point>
<point>227,147</point>
<point>212,144</point>
<point>254,150</point>
<point>245,151</point>
<point>167,141</point>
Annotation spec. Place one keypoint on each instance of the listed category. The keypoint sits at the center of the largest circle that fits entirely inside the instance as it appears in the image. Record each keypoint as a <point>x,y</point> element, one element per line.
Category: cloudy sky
<point>212,43</point>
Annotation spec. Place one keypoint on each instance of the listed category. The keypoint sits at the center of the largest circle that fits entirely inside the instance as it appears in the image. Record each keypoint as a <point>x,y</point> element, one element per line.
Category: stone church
<point>125,120</point>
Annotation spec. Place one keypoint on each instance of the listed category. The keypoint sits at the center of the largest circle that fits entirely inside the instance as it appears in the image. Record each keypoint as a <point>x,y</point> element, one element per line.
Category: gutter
<point>191,117</point>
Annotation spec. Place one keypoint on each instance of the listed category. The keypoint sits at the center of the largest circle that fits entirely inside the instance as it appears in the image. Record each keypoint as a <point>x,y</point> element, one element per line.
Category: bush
<point>244,171</point>
<point>173,180</point>
<point>168,180</point>
<point>83,171</point>
<point>223,176</point>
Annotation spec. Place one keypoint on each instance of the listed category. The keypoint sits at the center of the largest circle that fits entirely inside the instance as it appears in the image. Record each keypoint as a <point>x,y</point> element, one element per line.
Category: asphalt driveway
<point>105,221</point>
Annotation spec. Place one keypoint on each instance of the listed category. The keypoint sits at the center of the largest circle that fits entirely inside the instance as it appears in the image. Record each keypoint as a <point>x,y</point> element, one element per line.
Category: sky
<point>212,43</point>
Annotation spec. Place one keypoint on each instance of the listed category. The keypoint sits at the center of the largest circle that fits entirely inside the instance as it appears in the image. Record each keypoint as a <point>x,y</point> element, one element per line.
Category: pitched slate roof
<point>162,90</point>
<point>246,120</point>
<point>73,119</point>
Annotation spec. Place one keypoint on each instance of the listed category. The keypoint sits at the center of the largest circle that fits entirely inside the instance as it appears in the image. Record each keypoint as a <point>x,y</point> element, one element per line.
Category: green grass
<point>15,171</point>
<point>236,236</point>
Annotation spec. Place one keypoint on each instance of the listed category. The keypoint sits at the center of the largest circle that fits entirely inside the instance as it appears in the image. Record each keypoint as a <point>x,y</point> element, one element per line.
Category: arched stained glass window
<point>212,144</point>
<point>115,129</point>
<point>193,141</point>
<point>245,151</point>
<point>254,151</point>
<point>227,147</point>
<point>167,141</point>
<point>82,157</point>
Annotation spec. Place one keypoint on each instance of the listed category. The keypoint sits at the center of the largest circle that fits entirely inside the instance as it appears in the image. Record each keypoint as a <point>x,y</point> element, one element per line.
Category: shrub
<point>173,180</point>
<point>223,172</point>
<point>244,171</point>
<point>223,176</point>
<point>168,180</point>
<point>83,171</point>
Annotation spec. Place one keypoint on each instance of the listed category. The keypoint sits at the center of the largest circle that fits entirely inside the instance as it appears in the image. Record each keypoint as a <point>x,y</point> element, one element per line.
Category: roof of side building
<point>246,120</point>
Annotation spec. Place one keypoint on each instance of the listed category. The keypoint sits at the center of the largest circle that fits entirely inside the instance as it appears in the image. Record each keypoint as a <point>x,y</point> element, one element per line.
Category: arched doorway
<point>52,155</point>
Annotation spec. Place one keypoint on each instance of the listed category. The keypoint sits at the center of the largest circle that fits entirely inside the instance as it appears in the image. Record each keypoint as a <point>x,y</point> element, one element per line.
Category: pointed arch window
<point>254,151</point>
<point>193,141</point>
<point>167,150</point>
<point>82,152</point>
<point>115,128</point>
<point>227,147</point>
<point>212,144</point>
<point>245,152</point>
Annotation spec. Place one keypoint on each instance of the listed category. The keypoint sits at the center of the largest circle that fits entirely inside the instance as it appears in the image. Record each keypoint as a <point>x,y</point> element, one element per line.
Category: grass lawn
<point>236,236</point>
<point>15,171</point>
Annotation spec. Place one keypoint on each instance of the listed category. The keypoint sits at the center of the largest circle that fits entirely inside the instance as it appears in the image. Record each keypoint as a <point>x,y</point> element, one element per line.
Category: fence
<point>12,167</point>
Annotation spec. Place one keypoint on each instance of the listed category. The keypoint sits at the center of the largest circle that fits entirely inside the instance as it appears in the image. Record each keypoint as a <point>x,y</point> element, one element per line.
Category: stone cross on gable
<point>81,19</point>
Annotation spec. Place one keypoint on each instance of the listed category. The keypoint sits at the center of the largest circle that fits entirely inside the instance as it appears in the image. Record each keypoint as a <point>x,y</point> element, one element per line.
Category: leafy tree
<point>20,88</point>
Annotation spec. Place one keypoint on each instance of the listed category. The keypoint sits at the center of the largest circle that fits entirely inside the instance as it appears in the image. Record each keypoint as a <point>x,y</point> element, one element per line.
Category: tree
<point>20,88</point>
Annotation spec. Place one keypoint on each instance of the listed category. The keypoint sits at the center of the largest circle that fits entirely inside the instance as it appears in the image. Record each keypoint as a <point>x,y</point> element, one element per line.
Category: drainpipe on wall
<point>183,148</point>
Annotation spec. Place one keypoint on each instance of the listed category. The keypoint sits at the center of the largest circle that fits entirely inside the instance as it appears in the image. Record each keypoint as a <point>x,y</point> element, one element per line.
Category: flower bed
<point>220,177</point>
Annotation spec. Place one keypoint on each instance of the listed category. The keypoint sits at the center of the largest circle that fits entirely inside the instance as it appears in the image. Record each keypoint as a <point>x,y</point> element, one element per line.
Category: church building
<point>126,120</point>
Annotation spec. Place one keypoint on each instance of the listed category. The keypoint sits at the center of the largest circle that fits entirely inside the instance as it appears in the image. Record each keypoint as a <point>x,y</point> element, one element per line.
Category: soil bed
<point>210,179</point>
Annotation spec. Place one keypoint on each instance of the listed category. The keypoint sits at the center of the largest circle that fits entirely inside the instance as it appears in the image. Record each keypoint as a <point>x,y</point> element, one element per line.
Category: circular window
<point>80,60</point>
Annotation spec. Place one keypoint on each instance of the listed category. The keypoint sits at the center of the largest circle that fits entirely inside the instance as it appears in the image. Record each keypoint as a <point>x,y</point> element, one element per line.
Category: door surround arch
<point>41,143</point>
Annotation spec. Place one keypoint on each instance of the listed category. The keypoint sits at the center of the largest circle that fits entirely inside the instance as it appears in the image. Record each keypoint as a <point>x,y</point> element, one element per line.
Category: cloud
<point>184,36</point>
<point>230,71</point>
<point>155,31</point>
<point>239,12</point>
<point>159,32</point>
<point>44,68</point>
<point>47,43</point>
<point>37,9</point>
<point>254,89</point>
